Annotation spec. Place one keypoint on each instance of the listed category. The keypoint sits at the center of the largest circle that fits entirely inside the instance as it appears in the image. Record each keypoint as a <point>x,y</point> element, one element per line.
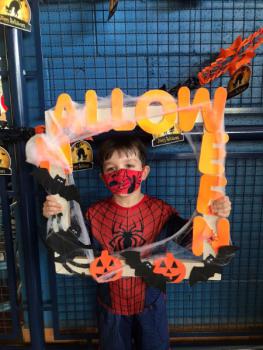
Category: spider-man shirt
<point>115,228</point>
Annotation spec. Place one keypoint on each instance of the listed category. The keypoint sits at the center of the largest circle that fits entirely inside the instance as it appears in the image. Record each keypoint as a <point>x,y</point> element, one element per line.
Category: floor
<point>220,347</point>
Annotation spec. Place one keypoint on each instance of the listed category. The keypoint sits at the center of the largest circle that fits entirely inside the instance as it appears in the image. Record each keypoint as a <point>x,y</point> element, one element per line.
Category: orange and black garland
<point>238,54</point>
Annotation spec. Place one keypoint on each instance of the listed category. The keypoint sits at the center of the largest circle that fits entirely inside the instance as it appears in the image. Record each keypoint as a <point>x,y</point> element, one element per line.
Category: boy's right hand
<point>51,206</point>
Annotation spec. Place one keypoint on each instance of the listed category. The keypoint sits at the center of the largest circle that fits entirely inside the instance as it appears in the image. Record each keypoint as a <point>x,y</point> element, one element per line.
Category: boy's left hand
<point>221,207</point>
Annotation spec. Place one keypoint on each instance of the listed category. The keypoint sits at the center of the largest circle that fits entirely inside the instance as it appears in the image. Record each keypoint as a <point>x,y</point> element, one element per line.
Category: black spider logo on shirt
<point>126,238</point>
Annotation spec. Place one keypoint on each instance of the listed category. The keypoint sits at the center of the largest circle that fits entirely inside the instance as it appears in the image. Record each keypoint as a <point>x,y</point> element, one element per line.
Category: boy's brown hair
<point>127,144</point>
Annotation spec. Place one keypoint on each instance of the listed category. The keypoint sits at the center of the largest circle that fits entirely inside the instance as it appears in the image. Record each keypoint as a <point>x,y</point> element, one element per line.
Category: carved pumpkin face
<point>105,264</point>
<point>170,267</point>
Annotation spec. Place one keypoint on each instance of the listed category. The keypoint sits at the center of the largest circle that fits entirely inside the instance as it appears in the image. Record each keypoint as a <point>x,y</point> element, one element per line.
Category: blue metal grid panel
<point>145,45</point>
<point>76,302</point>
<point>32,69</point>
<point>235,301</point>
<point>10,293</point>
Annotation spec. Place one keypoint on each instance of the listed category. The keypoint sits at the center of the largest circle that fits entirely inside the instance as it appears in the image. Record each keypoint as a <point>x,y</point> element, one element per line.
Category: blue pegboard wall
<point>147,44</point>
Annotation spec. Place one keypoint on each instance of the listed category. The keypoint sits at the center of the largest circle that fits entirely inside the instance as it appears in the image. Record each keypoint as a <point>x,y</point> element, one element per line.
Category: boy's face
<point>125,160</point>
<point>122,160</point>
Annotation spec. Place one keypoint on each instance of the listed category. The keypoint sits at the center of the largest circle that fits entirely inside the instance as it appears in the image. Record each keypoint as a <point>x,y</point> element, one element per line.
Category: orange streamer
<point>238,54</point>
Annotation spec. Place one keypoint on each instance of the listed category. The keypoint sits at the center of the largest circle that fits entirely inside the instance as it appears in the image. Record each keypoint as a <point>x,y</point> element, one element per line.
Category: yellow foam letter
<point>91,102</point>
<point>117,111</point>
<point>169,109</point>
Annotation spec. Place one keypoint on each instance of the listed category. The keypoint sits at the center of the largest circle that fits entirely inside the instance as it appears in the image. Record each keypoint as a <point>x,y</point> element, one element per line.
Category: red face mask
<point>123,181</point>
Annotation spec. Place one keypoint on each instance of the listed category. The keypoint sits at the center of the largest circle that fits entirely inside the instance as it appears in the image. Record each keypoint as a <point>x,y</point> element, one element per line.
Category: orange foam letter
<point>202,232</point>
<point>189,112</point>
<point>206,194</point>
<point>212,113</point>
<point>211,157</point>
<point>63,118</point>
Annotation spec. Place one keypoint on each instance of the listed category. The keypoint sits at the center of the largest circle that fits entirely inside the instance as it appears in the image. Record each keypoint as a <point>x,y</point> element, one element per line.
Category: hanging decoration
<point>172,135</point>
<point>112,8</point>
<point>5,162</point>
<point>239,81</point>
<point>15,13</point>
<point>234,59</point>
<point>82,155</point>
<point>238,54</point>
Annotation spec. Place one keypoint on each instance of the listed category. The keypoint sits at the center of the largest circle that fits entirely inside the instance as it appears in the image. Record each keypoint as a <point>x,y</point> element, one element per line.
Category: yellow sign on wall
<point>15,13</point>
<point>82,155</point>
<point>5,162</point>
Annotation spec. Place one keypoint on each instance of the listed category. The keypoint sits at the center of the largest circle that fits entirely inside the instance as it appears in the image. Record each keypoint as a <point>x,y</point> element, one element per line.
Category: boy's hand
<point>51,206</point>
<point>221,207</point>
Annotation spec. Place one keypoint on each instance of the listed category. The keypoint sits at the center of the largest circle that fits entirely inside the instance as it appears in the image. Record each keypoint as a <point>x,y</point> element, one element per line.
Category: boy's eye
<point>129,165</point>
<point>109,169</point>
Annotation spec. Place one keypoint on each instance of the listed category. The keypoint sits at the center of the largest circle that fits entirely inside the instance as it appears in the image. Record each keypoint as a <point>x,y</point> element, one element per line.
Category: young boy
<point>128,309</point>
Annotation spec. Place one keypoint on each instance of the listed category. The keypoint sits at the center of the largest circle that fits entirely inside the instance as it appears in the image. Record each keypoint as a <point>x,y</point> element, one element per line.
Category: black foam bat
<point>225,255</point>
<point>145,270</point>
<point>66,243</point>
<point>56,185</point>
<point>191,83</point>
<point>70,270</point>
<point>212,265</point>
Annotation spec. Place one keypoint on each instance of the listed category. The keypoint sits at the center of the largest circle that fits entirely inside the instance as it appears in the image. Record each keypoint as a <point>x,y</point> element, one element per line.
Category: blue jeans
<point>147,330</point>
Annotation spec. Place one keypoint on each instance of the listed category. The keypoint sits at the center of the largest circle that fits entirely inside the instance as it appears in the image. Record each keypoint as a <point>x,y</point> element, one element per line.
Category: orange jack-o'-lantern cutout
<point>170,267</point>
<point>106,264</point>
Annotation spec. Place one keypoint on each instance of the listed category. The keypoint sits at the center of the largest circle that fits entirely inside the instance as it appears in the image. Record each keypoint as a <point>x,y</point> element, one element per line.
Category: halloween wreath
<point>156,112</point>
